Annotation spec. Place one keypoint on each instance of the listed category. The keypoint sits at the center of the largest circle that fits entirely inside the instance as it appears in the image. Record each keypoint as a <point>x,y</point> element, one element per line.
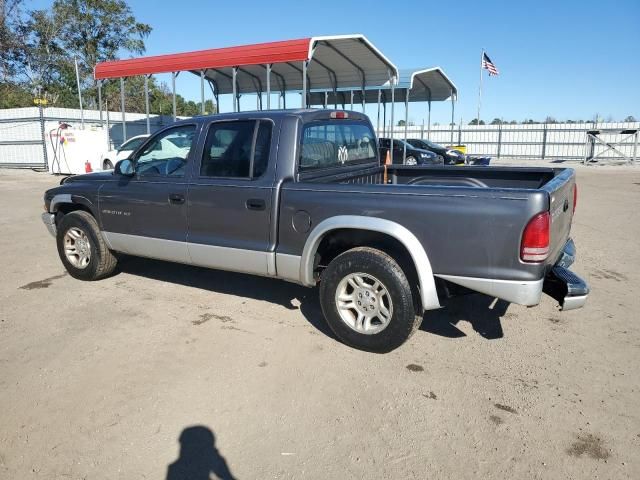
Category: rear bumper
<point>563,285</point>
<point>560,283</point>
<point>49,220</point>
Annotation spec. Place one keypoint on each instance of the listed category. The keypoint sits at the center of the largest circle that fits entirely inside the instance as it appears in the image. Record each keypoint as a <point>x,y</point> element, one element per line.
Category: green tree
<point>475,122</point>
<point>496,121</point>
<point>400,123</point>
<point>630,118</point>
<point>42,46</point>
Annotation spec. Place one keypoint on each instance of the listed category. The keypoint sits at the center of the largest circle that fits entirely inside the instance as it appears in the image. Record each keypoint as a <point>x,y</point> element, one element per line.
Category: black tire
<point>107,165</point>
<point>384,268</point>
<point>101,261</point>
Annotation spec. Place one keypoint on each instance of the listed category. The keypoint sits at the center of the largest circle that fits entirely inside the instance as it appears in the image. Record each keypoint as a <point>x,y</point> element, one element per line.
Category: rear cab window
<point>336,143</point>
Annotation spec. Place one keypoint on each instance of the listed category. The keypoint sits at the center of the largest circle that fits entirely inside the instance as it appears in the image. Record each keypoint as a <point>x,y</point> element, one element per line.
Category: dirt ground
<point>108,380</point>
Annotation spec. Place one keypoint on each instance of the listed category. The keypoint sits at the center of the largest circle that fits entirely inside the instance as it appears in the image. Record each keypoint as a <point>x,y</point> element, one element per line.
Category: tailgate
<point>561,199</point>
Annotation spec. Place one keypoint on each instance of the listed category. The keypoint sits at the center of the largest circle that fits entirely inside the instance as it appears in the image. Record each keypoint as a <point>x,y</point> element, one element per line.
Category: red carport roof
<point>257,54</point>
<point>338,61</point>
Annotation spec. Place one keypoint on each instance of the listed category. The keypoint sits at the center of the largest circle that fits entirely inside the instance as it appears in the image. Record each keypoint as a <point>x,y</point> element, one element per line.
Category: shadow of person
<point>481,311</point>
<point>199,457</point>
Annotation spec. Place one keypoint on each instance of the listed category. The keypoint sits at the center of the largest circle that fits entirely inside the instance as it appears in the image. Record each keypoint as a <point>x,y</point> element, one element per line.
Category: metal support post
<point>202,91</point>
<point>42,134</point>
<point>75,60</point>
<point>378,122</point>
<point>234,79</point>
<point>406,121</point>
<point>499,139</point>
<point>124,120</point>
<point>304,84</point>
<point>393,100</point>
<point>351,99</point>
<point>173,87</point>
<point>453,109</point>
<point>544,140</point>
<point>146,102</point>
<point>106,107</point>
<point>429,121</point>
<point>268,86</point>
<point>100,99</point>
<point>384,119</point>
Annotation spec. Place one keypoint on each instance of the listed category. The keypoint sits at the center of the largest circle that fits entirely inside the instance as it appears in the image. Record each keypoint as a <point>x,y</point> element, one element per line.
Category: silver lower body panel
<point>49,220</point>
<point>514,291</point>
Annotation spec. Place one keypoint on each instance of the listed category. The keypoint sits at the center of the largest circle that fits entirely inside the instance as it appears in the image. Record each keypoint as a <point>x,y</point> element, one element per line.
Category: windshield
<point>336,143</point>
<point>397,143</point>
<point>432,145</point>
<point>132,144</point>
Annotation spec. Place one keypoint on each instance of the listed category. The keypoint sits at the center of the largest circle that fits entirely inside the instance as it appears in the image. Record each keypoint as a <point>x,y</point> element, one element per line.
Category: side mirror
<point>125,167</point>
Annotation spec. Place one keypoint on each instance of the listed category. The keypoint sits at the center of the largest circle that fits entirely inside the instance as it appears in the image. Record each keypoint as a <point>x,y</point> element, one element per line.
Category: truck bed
<point>470,219</point>
<point>480,177</point>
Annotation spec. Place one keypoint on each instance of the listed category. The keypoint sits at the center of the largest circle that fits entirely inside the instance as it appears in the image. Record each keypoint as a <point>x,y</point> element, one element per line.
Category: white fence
<point>24,133</point>
<point>553,141</point>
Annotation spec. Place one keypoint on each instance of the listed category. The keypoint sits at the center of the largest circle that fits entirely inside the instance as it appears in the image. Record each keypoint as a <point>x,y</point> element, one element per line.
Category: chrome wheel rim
<point>77,248</point>
<point>364,303</point>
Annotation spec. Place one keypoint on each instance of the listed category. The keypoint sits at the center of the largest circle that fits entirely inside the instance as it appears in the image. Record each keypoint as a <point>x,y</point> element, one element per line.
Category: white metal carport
<point>424,85</point>
<point>326,62</point>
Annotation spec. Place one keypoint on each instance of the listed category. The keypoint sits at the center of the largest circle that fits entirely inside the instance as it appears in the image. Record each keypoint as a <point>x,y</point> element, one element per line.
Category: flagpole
<point>480,88</point>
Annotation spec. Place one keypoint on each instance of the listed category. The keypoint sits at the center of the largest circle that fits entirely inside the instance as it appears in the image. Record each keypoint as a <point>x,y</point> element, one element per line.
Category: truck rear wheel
<point>367,300</point>
<point>81,247</point>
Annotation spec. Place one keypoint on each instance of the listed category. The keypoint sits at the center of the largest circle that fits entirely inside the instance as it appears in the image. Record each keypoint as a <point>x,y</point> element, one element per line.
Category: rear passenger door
<point>231,196</point>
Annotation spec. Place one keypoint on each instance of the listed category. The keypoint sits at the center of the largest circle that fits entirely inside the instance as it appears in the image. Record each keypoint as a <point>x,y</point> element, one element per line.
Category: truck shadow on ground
<point>289,295</point>
<point>199,457</point>
<point>481,311</point>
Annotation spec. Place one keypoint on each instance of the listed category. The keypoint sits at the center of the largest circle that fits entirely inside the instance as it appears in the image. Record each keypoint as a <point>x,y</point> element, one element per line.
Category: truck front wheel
<point>367,300</point>
<point>81,247</point>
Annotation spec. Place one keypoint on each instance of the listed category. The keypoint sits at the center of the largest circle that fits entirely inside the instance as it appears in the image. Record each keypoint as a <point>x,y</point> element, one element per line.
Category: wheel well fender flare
<point>419,256</point>
<point>70,199</point>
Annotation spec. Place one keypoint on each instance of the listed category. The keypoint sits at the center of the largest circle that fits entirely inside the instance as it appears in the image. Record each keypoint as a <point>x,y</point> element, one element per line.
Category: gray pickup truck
<point>301,195</point>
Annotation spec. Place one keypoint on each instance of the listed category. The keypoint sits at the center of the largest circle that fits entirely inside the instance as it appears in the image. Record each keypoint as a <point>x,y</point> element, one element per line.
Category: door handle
<point>256,204</point>
<point>176,199</point>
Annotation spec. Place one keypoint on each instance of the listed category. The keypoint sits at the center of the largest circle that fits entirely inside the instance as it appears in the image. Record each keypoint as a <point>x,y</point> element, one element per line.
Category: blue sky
<point>563,58</point>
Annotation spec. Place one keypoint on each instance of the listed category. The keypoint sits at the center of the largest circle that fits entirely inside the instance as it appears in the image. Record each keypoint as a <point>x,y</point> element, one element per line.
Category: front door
<point>146,214</point>
<point>231,197</point>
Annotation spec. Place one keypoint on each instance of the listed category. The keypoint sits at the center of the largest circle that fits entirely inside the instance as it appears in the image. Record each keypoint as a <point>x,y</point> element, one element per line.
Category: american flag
<point>487,64</point>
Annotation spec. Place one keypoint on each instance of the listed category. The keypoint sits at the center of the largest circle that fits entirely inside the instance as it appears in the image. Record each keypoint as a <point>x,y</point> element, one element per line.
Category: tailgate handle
<point>256,204</point>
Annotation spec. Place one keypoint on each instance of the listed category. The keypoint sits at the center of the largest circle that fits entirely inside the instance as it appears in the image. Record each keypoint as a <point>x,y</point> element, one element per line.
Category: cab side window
<point>229,149</point>
<point>167,154</point>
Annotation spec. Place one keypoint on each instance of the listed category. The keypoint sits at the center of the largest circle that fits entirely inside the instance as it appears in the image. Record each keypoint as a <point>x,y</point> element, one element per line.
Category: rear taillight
<point>535,239</point>
<point>339,114</point>
<point>575,196</point>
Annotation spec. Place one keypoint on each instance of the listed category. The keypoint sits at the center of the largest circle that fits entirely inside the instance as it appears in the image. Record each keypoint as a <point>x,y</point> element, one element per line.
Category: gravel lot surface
<point>170,371</point>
